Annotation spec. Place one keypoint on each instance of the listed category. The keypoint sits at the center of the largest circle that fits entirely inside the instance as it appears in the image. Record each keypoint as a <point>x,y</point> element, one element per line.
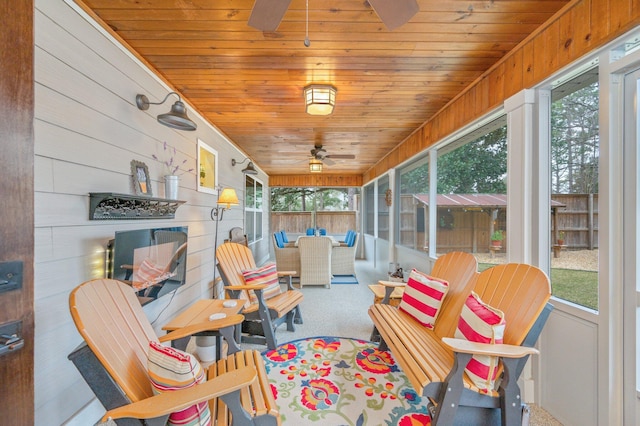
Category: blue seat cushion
<point>352,239</point>
<point>284,237</point>
<point>278,237</point>
<point>323,231</point>
<point>310,231</point>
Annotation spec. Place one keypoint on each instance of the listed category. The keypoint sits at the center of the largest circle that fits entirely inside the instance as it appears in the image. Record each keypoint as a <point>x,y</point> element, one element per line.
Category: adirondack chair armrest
<point>192,329</point>
<point>499,350</point>
<point>392,284</point>
<point>246,287</point>
<point>170,402</point>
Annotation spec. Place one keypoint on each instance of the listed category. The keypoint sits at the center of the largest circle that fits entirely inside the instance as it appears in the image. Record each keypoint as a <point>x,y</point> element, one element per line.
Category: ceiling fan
<point>318,152</point>
<point>267,14</point>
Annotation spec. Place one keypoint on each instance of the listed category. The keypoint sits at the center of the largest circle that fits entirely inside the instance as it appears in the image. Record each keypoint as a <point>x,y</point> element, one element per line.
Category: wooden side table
<point>379,292</point>
<point>200,312</point>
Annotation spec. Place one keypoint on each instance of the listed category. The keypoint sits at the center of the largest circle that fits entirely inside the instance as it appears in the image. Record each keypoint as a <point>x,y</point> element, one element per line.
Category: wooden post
<point>590,241</point>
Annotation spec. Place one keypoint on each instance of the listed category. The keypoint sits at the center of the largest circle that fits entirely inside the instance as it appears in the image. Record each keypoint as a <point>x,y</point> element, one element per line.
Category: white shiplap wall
<point>87,130</point>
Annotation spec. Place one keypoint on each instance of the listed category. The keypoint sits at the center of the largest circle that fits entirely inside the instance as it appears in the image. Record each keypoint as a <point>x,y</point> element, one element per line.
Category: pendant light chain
<point>307,43</point>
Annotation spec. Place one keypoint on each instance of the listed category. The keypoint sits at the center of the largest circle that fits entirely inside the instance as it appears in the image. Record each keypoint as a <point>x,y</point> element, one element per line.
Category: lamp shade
<point>320,99</point>
<point>315,165</point>
<point>229,197</point>
<point>177,118</point>
<point>250,170</point>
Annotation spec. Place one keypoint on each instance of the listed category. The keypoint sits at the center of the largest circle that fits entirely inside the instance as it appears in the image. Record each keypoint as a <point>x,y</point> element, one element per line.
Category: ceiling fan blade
<point>327,161</point>
<point>267,14</point>
<point>341,156</point>
<point>395,13</point>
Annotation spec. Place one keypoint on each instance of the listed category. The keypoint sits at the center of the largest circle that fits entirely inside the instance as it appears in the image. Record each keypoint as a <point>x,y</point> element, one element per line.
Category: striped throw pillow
<point>423,297</point>
<point>481,323</point>
<point>266,274</point>
<point>171,369</point>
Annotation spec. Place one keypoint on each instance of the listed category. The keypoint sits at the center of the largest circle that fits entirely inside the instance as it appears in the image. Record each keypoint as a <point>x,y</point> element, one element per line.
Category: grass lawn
<point>580,287</point>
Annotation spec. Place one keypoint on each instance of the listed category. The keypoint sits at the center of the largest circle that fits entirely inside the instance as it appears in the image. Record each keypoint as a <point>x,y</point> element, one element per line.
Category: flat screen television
<point>152,260</point>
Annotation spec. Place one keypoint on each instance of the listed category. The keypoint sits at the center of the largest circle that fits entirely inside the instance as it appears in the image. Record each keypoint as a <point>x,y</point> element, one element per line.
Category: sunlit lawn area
<point>580,287</point>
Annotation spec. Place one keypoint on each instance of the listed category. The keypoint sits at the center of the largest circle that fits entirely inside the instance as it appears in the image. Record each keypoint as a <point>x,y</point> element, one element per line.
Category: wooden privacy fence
<point>578,220</point>
<point>469,227</point>
<point>335,222</point>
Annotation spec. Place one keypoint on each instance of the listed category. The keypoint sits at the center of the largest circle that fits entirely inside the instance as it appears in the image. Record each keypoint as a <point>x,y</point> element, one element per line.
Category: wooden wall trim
<point>16,228</point>
<point>577,29</point>
<point>315,180</point>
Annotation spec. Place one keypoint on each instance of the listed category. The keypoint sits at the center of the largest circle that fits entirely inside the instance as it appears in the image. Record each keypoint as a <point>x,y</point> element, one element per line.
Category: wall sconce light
<point>176,118</point>
<point>315,165</point>
<point>249,170</point>
<point>319,99</point>
<point>227,196</point>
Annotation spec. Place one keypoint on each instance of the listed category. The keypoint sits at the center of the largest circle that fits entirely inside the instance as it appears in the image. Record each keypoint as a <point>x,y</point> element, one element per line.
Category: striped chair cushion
<point>481,323</point>
<point>171,369</point>
<point>423,297</point>
<point>266,274</point>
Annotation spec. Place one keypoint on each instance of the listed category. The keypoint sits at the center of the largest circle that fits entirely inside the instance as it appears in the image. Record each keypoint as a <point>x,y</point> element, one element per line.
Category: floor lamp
<point>226,199</point>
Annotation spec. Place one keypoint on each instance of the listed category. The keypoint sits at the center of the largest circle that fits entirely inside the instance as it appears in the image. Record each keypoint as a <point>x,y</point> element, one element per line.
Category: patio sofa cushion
<point>423,297</point>
<point>172,369</point>
<point>481,323</point>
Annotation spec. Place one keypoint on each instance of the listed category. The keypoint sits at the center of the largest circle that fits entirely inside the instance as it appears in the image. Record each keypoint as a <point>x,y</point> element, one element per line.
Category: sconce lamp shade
<point>249,170</point>
<point>315,165</point>
<point>320,99</point>
<point>176,118</point>
<point>229,197</point>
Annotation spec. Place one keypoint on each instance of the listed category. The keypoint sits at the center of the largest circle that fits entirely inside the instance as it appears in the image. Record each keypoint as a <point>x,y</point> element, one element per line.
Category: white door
<point>631,328</point>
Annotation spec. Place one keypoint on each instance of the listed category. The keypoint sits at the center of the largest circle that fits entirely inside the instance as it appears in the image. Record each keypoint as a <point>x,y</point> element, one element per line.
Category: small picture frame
<point>141,180</point>
<point>207,168</point>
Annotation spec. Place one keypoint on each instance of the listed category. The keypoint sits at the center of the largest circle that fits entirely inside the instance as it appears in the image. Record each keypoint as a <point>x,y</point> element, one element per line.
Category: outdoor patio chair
<point>315,261</point>
<point>343,258</point>
<point>237,235</point>
<point>269,307</point>
<point>287,257</point>
<point>115,365</point>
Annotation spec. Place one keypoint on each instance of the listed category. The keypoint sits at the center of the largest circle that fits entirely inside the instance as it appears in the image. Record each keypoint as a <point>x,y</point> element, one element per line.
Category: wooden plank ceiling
<point>249,83</point>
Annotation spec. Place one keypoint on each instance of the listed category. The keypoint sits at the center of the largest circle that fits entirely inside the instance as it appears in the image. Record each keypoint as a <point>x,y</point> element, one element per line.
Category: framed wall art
<point>141,180</point>
<point>207,168</point>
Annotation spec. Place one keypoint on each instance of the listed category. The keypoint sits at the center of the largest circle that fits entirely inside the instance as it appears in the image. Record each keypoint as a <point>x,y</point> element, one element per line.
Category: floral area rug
<point>338,381</point>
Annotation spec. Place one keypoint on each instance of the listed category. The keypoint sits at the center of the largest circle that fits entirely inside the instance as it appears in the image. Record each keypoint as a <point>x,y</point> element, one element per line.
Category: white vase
<point>171,187</point>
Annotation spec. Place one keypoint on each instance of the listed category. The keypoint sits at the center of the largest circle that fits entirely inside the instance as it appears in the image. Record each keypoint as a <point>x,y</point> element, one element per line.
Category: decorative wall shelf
<point>112,206</point>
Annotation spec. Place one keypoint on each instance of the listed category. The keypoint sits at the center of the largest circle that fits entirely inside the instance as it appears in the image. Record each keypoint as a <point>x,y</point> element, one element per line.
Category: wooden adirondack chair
<point>267,314</point>
<point>117,332</point>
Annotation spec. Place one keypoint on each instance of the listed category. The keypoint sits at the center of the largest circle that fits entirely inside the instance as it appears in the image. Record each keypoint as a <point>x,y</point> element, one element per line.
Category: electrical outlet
<point>10,276</point>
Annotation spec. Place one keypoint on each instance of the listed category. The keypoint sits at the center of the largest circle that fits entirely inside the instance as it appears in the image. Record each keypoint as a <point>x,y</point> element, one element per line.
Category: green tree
<point>575,141</point>
<point>310,199</point>
<point>479,166</point>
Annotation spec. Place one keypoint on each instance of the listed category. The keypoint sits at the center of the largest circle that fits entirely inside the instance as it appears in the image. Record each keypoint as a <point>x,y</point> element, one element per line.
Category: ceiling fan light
<point>319,99</point>
<point>315,165</point>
